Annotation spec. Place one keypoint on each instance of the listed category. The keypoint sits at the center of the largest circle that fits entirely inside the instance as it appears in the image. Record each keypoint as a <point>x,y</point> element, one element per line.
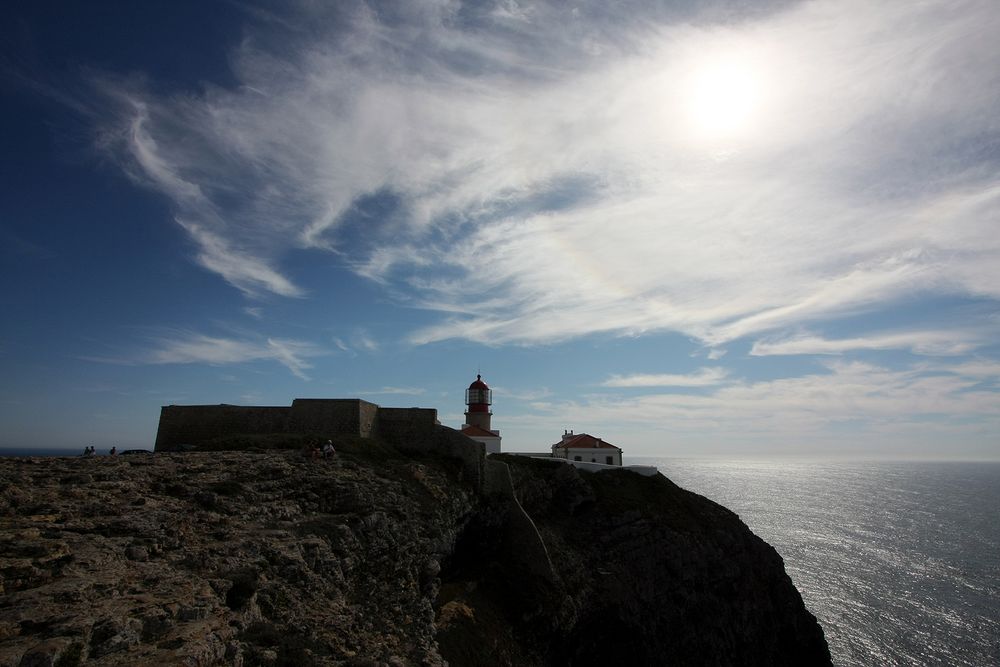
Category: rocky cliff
<point>378,558</point>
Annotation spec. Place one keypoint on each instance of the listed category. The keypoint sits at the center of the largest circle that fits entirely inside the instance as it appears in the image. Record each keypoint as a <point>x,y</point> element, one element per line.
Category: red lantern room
<point>478,397</point>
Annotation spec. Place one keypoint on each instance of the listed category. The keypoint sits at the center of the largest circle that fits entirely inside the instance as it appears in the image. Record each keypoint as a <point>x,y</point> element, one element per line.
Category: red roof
<point>479,384</point>
<point>478,431</point>
<point>584,441</point>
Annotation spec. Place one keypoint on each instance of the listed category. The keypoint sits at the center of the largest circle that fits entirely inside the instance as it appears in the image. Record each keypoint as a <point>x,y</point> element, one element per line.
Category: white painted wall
<point>593,455</point>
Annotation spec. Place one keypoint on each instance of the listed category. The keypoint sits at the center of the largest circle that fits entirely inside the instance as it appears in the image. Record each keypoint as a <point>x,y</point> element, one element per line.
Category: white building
<point>586,448</point>
<point>479,398</point>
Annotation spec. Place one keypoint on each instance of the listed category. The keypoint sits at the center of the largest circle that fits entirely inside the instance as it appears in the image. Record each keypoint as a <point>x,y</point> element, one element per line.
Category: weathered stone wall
<point>194,424</point>
<point>408,429</point>
<point>368,416</point>
<point>399,425</point>
<point>413,432</point>
<point>191,424</point>
<point>333,416</point>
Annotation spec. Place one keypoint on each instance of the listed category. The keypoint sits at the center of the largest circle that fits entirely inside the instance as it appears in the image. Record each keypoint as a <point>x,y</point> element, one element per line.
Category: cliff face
<point>652,574</point>
<point>376,558</point>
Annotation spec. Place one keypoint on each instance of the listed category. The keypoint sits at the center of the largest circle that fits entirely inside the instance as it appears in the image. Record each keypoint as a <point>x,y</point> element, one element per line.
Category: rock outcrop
<point>648,574</point>
<point>377,558</point>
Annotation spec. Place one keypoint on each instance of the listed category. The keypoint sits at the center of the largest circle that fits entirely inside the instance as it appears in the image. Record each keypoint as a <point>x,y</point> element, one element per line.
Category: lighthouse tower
<point>478,399</point>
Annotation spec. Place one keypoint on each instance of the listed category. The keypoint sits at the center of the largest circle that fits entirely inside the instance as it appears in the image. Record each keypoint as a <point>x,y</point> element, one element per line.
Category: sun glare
<point>723,99</point>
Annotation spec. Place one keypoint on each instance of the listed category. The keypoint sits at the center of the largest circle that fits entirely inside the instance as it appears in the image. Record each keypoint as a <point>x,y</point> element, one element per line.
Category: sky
<point>691,228</point>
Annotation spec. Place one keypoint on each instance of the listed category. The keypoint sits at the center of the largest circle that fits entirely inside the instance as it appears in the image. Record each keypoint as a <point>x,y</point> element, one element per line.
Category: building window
<point>577,458</point>
<point>610,461</point>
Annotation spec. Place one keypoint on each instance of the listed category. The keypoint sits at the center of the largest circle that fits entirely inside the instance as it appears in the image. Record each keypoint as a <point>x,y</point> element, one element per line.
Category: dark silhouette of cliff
<point>646,574</point>
<point>380,557</point>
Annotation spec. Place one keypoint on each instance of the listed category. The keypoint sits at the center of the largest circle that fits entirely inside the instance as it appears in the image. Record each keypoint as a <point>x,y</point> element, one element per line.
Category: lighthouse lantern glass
<point>478,396</point>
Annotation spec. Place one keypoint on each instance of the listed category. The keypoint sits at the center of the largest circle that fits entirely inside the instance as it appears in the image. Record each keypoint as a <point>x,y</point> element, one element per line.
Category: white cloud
<point>703,377</point>
<point>290,353</point>
<point>240,269</point>
<point>548,180</point>
<point>931,343</point>
<point>979,369</point>
<point>193,348</point>
<point>365,342</point>
<point>360,341</point>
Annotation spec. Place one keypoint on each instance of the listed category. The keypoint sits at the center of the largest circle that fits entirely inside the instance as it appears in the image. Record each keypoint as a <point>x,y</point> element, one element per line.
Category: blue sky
<point>690,228</point>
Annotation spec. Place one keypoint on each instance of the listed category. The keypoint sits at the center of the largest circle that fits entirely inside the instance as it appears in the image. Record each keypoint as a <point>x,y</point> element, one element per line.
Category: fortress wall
<point>191,424</point>
<point>409,429</point>
<point>472,454</point>
<point>332,416</point>
<point>368,415</point>
<point>417,430</point>
<point>399,425</point>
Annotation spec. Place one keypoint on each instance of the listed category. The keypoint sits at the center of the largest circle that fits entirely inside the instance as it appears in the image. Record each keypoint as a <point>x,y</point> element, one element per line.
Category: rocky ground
<point>225,558</point>
<point>377,558</point>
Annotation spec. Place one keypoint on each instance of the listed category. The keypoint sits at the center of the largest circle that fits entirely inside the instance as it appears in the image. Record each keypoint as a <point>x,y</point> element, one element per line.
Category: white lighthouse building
<point>478,399</point>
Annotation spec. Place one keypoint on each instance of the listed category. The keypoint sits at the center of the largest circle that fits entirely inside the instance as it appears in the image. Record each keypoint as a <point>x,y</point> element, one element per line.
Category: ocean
<point>899,561</point>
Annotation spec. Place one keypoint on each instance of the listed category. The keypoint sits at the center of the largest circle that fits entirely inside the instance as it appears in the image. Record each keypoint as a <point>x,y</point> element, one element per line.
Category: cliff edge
<point>379,558</point>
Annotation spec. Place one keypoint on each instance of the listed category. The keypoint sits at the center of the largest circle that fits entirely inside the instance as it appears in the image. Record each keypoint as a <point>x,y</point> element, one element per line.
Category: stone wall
<point>399,425</point>
<point>333,416</point>
<point>415,436</point>
<point>191,424</point>
<point>194,424</point>
<point>408,429</point>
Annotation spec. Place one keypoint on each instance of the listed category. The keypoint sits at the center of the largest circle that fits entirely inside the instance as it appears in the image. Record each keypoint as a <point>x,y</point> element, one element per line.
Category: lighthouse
<point>478,400</point>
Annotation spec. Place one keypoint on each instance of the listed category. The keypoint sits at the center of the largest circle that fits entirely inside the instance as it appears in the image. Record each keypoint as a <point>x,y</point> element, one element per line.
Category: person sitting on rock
<point>114,451</point>
<point>328,450</point>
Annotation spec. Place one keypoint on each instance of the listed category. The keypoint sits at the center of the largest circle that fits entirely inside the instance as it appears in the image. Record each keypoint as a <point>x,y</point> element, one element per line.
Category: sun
<point>723,99</point>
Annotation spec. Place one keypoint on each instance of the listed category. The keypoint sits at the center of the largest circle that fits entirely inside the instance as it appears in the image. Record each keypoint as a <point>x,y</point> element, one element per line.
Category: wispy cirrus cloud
<point>186,347</point>
<point>359,341</point>
<point>931,343</point>
<point>703,377</point>
<point>561,151</point>
<point>223,245</point>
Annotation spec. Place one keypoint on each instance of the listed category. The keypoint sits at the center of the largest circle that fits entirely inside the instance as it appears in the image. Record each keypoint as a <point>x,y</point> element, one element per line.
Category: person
<point>114,451</point>
<point>89,451</point>
<point>328,450</point>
